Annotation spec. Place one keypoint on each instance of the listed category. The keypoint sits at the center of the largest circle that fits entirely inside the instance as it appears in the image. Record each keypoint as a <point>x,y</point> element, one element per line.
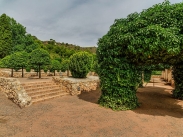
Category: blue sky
<point>79,22</point>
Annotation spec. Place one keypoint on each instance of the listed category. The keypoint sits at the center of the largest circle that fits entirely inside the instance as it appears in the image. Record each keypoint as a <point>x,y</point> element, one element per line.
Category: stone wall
<point>74,86</point>
<point>4,72</point>
<point>7,73</point>
<point>12,88</point>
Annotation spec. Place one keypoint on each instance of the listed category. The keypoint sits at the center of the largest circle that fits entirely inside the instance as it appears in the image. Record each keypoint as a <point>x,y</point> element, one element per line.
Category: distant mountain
<point>70,46</point>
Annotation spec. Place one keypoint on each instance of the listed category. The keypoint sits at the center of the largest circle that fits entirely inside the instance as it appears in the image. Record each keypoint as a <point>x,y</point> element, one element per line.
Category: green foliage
<point>55,65</point>
<point>94,64</point>
<point>5,36</point>
<point>64,65</point>
<point>139,79</point>
<point>147,75</point>
<point>18,34</point>
<point>19,59</point>
<point>156,72</point>
<point>4,63</point>
<point>118,82</point>
<point>80,64</point>
<point>15,61</point>
<point>147,40</point>
<point>39,57</point>
<point>14,38</point>
<point>178,78</point>
<point>28,69</point>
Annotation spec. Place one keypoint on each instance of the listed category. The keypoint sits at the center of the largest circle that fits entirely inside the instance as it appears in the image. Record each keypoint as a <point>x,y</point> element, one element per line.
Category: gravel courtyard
<point>159,115</point>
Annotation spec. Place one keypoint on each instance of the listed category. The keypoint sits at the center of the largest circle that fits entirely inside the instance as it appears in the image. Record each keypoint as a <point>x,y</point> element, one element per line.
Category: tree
<point>5,36</point>
<point>40,57</point>
<point>153,36</point>
<point>55,65</point>
<point>15,60</point>
<point>19,60</point>
<point>6,62</point>
<point>18,34</point>
<point>80,64</point>
<point>64,66</point>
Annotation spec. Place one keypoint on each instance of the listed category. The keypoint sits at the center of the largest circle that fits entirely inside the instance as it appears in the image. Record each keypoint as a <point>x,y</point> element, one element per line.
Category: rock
<point>74,86</point>
<point>14,91</point>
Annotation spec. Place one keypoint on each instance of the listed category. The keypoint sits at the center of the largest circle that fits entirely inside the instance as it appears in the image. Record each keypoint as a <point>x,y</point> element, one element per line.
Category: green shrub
<point>45,68</point>
<point>64,65</point>
<point>80,64</point>
<point>28,69</point>
<point>147,75</point>
<point>156,72</point>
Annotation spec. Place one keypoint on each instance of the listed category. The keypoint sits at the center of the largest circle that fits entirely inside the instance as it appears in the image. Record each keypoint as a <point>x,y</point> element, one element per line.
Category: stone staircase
<point>41,91</point>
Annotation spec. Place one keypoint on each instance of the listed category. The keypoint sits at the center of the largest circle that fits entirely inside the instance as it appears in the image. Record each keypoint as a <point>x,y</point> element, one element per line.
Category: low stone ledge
<point>155,76</point>
<point>74,86</point>
<point>14,91</point>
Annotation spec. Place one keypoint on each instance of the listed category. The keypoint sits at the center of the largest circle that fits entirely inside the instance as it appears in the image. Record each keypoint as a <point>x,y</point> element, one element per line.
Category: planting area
<point>158,115</point>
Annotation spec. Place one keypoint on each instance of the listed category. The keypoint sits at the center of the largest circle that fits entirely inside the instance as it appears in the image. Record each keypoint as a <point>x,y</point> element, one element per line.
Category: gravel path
<point>159,115</point>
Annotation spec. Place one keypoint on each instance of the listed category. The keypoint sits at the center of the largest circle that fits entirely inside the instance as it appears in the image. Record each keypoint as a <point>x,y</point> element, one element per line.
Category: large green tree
<point>7,63</point>
<point>18,33</point>
<point>13,37</point>
<point>15,60</point>
<point>40,57</point>
<point>19,60</point>
<point>5,36</point>
<point>153,36</point>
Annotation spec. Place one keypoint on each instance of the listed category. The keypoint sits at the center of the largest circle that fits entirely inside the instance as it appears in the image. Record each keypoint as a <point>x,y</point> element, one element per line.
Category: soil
<point>159,115</point>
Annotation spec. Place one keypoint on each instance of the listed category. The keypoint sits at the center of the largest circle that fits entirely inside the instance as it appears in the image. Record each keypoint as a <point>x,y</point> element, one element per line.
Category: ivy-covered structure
<point>149,38</point>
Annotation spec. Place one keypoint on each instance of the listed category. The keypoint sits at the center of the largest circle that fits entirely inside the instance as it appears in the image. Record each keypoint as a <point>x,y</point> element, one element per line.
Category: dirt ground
<point>159,115</point>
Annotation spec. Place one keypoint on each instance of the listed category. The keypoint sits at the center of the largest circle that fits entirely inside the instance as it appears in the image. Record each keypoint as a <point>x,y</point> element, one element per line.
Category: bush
<point>28,69</point>
<point>80,64</point>
<point>156,72</point>
<point>45,68</point>
<point>64,65</point>
<point>147,75</point>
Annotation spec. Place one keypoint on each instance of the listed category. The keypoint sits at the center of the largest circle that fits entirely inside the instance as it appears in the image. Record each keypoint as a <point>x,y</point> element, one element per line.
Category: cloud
<point>78,22</point>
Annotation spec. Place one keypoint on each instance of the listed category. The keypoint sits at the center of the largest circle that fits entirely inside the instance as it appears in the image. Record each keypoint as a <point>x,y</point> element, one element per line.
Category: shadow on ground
<point>91,96</point>
<point>156,101</point>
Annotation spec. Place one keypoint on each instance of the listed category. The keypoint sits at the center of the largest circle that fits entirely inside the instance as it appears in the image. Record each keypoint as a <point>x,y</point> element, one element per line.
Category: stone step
<point>48,97</point>
<point>42,82</point>
<point>41,91</point>
<point>27,88</point>
<point>42,95</point>
<point>33,92</point>
<point>38,84</point>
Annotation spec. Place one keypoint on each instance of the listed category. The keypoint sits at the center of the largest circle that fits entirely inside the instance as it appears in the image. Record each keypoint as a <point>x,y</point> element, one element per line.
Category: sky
<point>78,22</point>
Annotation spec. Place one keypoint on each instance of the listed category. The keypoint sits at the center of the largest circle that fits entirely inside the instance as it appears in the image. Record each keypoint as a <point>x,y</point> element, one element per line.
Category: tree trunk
<point>54,72</point>
<point>67,72</point>
<point>12,72</point>
<point>22,72</point>
<point>39,71</point>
